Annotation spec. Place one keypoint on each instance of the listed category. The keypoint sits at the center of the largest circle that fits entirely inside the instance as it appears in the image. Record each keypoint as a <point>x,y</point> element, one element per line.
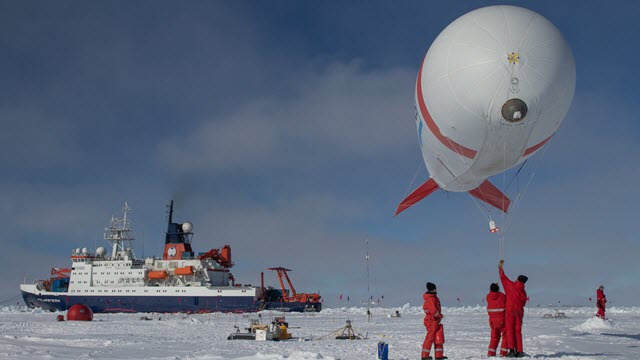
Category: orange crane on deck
<point>294,297</point>
<point>60,273</point>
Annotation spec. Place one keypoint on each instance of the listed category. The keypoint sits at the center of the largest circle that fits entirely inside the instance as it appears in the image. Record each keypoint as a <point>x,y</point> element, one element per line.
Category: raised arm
<point>505,280</point>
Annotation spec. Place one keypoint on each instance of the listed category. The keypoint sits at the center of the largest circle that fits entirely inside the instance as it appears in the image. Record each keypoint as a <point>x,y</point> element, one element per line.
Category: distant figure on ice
<point>516,299</point>
<point>601,300</point>
<point>432,317</point>
<point>496,302</point>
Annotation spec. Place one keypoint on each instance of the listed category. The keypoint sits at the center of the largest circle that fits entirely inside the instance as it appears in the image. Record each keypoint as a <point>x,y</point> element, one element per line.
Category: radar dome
<point>85,250</point>
<point>187,227</point>
<point>101,251</point>
<point>78,250</point>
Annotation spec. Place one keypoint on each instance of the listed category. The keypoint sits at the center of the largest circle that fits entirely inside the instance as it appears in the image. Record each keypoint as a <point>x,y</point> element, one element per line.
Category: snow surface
<point>35,334</point>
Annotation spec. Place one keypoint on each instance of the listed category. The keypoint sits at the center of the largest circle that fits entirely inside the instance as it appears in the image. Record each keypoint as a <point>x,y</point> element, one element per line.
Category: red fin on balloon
<point>490,194</point>
<point>486,192</point>
<point>418,194</point>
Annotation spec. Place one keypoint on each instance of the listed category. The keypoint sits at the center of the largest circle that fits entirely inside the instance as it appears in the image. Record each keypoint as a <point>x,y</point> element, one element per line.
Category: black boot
<point>441,357</point>
<point>519,354</point>
<point>427,358</point>
<point>511,354</point>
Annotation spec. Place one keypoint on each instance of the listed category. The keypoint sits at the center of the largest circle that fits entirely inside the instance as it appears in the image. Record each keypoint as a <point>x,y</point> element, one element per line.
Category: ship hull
<point>136,304</point>
<point>164,304</point>
<point>294,306</point>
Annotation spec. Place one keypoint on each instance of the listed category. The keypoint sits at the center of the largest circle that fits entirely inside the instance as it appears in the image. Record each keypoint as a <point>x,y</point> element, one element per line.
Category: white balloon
<point>493,88</point>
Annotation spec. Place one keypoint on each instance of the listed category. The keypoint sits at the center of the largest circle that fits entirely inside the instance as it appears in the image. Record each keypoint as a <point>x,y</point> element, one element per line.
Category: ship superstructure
<point>118,282</point>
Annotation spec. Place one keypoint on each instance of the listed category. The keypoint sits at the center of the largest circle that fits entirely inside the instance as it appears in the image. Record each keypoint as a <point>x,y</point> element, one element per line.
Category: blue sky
<point>286,130</point>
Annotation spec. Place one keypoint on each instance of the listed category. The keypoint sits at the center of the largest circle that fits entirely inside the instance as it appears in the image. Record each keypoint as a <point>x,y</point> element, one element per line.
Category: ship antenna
<point>125,222</point>
<point>119,232</point>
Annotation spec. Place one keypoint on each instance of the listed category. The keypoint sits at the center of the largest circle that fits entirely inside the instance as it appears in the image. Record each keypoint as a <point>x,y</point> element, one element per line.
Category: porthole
<point>514,110</point>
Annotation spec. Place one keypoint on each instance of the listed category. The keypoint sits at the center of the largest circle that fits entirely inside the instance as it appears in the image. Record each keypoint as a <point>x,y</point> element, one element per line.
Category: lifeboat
<point>158,274</point>
<point>187,270</point>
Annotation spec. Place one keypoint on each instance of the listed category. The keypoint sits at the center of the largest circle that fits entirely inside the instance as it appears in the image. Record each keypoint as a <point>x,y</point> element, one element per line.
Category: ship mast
<point>119,234</point>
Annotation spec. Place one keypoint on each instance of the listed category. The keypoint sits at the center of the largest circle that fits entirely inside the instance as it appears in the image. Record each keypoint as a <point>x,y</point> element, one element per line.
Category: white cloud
<point>340,112</point>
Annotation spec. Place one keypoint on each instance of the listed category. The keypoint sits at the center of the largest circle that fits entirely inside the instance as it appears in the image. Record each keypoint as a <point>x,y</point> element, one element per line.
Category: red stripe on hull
<point>454,146</point>
<point>532,149</point>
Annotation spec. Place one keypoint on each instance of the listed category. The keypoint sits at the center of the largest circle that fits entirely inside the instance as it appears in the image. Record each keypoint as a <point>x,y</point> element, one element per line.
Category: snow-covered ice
<point>34,334</point>
<point>596,325</point>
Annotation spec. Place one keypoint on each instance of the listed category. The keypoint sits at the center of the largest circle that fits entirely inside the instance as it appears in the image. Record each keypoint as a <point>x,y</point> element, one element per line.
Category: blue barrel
<point>383,350</point>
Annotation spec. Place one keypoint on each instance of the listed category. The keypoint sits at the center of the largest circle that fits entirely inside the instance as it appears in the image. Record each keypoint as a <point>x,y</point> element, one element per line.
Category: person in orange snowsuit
<point>496,302</point>
<point>601,300</point>
<point>432,317</point>
<point>514,311</point>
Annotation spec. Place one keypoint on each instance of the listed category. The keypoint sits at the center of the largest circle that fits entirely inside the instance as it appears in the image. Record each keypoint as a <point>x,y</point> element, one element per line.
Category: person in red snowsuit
<point>432,317</point>
<point>514,311</point>
<point>601,300</point>
<point>496,302</point>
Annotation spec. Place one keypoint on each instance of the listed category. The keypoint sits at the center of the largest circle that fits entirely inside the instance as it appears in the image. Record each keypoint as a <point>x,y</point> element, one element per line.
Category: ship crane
<point>221,256</point>
<point>60,273</point>
<point>295,297</point>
